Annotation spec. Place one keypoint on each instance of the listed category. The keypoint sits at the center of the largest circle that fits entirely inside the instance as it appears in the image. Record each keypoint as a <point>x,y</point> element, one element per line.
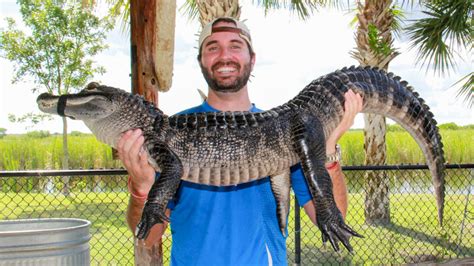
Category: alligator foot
<point>333,229</point>
<point>153,213</point>
<point>312,153</point>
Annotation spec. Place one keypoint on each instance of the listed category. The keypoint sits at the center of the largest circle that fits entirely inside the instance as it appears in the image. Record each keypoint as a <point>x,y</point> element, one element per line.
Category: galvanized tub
<point>51,241</point>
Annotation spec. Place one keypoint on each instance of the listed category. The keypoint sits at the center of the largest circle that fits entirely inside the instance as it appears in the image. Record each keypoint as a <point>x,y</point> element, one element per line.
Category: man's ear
<point>252,60</point>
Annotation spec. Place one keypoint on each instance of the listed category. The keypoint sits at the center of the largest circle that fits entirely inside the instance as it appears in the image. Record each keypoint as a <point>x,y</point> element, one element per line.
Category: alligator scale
<point>229,148</point>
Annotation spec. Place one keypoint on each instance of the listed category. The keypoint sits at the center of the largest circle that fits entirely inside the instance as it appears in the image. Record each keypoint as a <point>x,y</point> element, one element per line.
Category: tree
<point>3,132</point>
<point>56,50</point>
<point>375,48</point>
<point>211,9</point>
<point>448,22</point>
<point>446,28</point>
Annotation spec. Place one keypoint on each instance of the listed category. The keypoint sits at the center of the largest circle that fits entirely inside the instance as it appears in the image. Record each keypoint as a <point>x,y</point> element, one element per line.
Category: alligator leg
<point>281,190</point>
<point>161,191</point>
<point>309,144</point>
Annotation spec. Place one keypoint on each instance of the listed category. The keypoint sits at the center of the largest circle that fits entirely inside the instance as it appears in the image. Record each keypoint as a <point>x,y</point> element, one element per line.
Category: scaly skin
<point>231,148</point>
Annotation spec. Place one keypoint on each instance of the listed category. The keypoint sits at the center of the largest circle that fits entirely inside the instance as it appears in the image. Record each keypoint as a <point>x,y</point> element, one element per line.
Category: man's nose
<point>225,53</point>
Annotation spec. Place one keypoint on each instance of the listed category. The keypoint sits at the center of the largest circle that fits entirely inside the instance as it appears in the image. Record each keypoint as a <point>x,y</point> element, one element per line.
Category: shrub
<point>76,133</point>
<point>451,126</point>
<point>38,134</point>
<point>395,128</point>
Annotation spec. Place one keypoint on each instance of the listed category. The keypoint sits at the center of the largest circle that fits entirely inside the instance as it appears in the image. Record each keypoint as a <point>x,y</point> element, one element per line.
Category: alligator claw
<point>153,213</point>
<point>334,230</point>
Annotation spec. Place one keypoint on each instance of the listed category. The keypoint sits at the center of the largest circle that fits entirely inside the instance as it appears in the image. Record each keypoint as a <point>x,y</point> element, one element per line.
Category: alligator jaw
<point>76,106</point>
<point>47,103</point>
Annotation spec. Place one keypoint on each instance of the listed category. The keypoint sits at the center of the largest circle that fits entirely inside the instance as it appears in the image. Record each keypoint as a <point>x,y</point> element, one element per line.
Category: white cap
<point>239,28</point>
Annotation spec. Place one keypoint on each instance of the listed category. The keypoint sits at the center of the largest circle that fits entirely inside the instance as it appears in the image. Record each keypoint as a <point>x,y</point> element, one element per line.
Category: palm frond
<point>120,9</point>
<point>190,9</point>
<point>304,8</point>
<point>447,26</point>
<point>467,89</point>
<point>398,18</point>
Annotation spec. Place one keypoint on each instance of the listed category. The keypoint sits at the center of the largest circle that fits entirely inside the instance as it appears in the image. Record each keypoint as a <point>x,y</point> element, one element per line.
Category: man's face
<point>226,62</point>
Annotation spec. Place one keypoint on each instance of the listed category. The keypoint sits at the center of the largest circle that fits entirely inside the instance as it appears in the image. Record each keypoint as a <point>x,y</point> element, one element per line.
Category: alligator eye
<point>92,86</point>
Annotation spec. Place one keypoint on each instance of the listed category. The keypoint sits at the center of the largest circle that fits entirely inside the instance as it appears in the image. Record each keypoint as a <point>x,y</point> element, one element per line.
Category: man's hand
<point>352,106</point>
<point>135,159</point>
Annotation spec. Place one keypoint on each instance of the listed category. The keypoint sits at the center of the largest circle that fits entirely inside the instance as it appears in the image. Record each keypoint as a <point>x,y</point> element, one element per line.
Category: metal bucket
<point>52,241</point>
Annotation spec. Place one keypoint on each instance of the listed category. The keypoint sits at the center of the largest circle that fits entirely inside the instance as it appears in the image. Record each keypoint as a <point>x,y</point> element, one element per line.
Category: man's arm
<point>352,106</point>
<point>141,178</point>
<point>339,190</point>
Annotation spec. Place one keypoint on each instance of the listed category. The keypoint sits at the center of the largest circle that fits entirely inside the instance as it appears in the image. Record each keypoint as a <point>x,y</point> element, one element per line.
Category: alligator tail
<point>383,94</point>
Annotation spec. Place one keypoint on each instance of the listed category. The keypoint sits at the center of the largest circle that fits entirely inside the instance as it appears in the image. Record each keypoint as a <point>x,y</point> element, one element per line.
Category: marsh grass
<point>21,152</point>
<point>402,148</point>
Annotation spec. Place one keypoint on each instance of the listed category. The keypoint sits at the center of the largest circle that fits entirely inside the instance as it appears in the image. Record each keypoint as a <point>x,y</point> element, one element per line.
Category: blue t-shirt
<point>231,225</point>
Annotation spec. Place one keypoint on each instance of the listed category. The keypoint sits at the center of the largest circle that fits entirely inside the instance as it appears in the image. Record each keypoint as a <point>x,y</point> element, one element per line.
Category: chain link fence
<point>411,235</point>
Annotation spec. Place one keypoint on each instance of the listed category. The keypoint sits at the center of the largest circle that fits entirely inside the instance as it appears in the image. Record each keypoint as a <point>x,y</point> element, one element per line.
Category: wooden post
<point>152,24</point>
<point>152,46</point>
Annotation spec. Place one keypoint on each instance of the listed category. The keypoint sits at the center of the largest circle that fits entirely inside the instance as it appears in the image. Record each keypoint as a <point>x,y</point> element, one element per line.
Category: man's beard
<point>235,86</point>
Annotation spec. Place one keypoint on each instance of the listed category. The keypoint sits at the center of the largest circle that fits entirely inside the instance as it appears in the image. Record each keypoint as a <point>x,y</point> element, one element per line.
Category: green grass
<point>402,148</point>
<point>413,232</point>
<point>20,152</point>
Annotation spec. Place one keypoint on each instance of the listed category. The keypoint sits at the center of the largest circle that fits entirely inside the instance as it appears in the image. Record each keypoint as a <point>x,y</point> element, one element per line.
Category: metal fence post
<point>297,233</point>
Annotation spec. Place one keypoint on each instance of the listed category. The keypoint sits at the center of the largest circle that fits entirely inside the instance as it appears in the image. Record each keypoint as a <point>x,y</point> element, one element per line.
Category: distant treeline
<point>452,126</point>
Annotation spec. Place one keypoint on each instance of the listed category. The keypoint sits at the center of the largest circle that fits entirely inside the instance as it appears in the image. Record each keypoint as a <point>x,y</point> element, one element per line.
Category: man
<point>234,225</point>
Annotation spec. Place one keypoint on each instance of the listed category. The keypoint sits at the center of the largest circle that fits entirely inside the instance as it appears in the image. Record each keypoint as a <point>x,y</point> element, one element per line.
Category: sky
<point>290,54</point>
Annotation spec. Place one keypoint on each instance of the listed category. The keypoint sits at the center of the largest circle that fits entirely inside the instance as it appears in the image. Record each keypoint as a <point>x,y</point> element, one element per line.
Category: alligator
<point>229,148</point>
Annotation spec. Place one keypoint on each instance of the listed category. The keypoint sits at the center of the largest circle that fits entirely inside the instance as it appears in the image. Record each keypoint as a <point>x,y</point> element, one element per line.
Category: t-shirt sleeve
<point>300,187</point>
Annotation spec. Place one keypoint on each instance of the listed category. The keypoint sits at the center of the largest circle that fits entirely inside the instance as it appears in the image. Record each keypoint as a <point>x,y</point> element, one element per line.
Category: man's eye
<point>212,48</point>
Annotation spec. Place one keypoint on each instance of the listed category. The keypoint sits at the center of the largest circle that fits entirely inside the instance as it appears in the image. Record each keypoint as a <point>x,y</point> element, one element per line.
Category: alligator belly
<point>235,173</point>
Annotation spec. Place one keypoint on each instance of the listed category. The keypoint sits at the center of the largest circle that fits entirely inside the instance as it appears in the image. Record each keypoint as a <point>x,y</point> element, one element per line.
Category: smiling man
<point>232,225</point>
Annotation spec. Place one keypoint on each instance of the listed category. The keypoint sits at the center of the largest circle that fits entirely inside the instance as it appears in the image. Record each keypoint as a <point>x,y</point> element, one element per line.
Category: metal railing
<point>412,234</point>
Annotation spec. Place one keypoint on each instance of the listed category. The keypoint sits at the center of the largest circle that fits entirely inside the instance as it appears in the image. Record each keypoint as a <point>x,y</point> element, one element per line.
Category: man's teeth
<point>226,70</point>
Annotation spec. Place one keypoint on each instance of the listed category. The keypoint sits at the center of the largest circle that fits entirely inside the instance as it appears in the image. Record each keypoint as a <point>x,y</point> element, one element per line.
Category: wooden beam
<point>152,46</point>
<point>152,24</point>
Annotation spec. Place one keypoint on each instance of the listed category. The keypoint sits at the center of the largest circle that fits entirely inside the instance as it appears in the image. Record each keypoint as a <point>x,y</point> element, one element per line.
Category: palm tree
<point>211,9</point>
<point>447,25</point>
<point>376,22</point>
<point>374,48</point>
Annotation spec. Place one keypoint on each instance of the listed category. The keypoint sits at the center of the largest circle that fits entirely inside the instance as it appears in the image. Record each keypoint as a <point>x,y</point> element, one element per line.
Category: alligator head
<point>106,111</point>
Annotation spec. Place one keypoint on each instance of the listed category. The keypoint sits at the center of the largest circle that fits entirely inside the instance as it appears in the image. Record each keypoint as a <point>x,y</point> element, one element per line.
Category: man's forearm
<point>134,212</point>
<point>339,191</point>
<point>339,188</point>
